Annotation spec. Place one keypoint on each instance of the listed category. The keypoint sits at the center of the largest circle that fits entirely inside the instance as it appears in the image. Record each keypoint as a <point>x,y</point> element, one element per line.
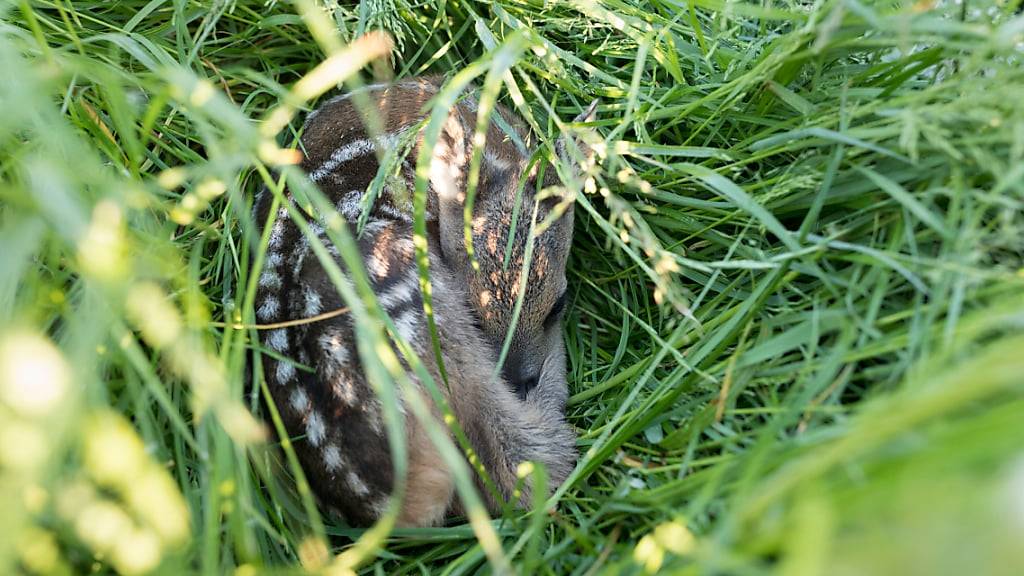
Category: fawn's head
<point>517,199</point>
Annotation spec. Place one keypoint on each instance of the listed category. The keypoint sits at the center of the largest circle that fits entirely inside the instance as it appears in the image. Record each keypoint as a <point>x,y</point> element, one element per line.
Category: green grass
<point>797,284</point>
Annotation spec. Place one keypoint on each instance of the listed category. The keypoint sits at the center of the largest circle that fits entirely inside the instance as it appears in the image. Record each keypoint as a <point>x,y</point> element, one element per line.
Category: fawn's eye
<point>556,310</point>
<point>475,319</point>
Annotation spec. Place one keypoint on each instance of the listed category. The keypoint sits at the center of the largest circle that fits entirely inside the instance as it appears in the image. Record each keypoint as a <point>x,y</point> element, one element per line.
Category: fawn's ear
<point>449,165</point>
<point>572,148</point>
<point>449,161</point>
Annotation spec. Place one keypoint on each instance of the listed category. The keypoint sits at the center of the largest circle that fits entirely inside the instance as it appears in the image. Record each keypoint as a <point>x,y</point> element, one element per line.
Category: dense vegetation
<point>797,283</point>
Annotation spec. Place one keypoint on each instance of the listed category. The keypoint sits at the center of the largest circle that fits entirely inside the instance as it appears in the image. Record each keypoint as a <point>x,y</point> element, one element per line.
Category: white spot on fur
<point>357,484</point>
<point>399,293</point>
<point>276,234</point>
<point>285,372</point>
<point>302,248</point>
<point>343,389</point>
<point>277,231</point>
<point>268,308</point>
<point>340,156</point>
<point>333,345</point>
<point>274,259</point>
<point>332,458</point>
<point>375,226</point>
<point>379,265</point>
<point>278,339</point>
<point>313,305</point>
<point>352,150</point>
<point>300,256</point>
<point>389,210</point>
<point>299,401</point>
<point>315,431</point>
<point>406,324</point>
<point>496,161</point>
<point>270,280</point>
<point>349,206</point>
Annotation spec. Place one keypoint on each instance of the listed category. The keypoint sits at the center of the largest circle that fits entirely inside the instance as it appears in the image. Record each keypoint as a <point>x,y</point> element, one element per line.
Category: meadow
<point>796,289</point>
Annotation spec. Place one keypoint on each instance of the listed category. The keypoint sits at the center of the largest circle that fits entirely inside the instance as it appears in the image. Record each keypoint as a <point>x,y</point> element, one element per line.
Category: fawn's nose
<point>521,378</point>
<point>523,386</point>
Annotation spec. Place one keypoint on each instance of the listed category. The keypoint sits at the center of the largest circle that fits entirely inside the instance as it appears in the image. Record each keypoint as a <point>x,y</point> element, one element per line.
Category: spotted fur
<point>315,374</point>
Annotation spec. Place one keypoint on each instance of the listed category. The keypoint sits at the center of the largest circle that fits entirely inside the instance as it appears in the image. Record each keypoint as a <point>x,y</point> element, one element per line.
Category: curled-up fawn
<point>332,412</point>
